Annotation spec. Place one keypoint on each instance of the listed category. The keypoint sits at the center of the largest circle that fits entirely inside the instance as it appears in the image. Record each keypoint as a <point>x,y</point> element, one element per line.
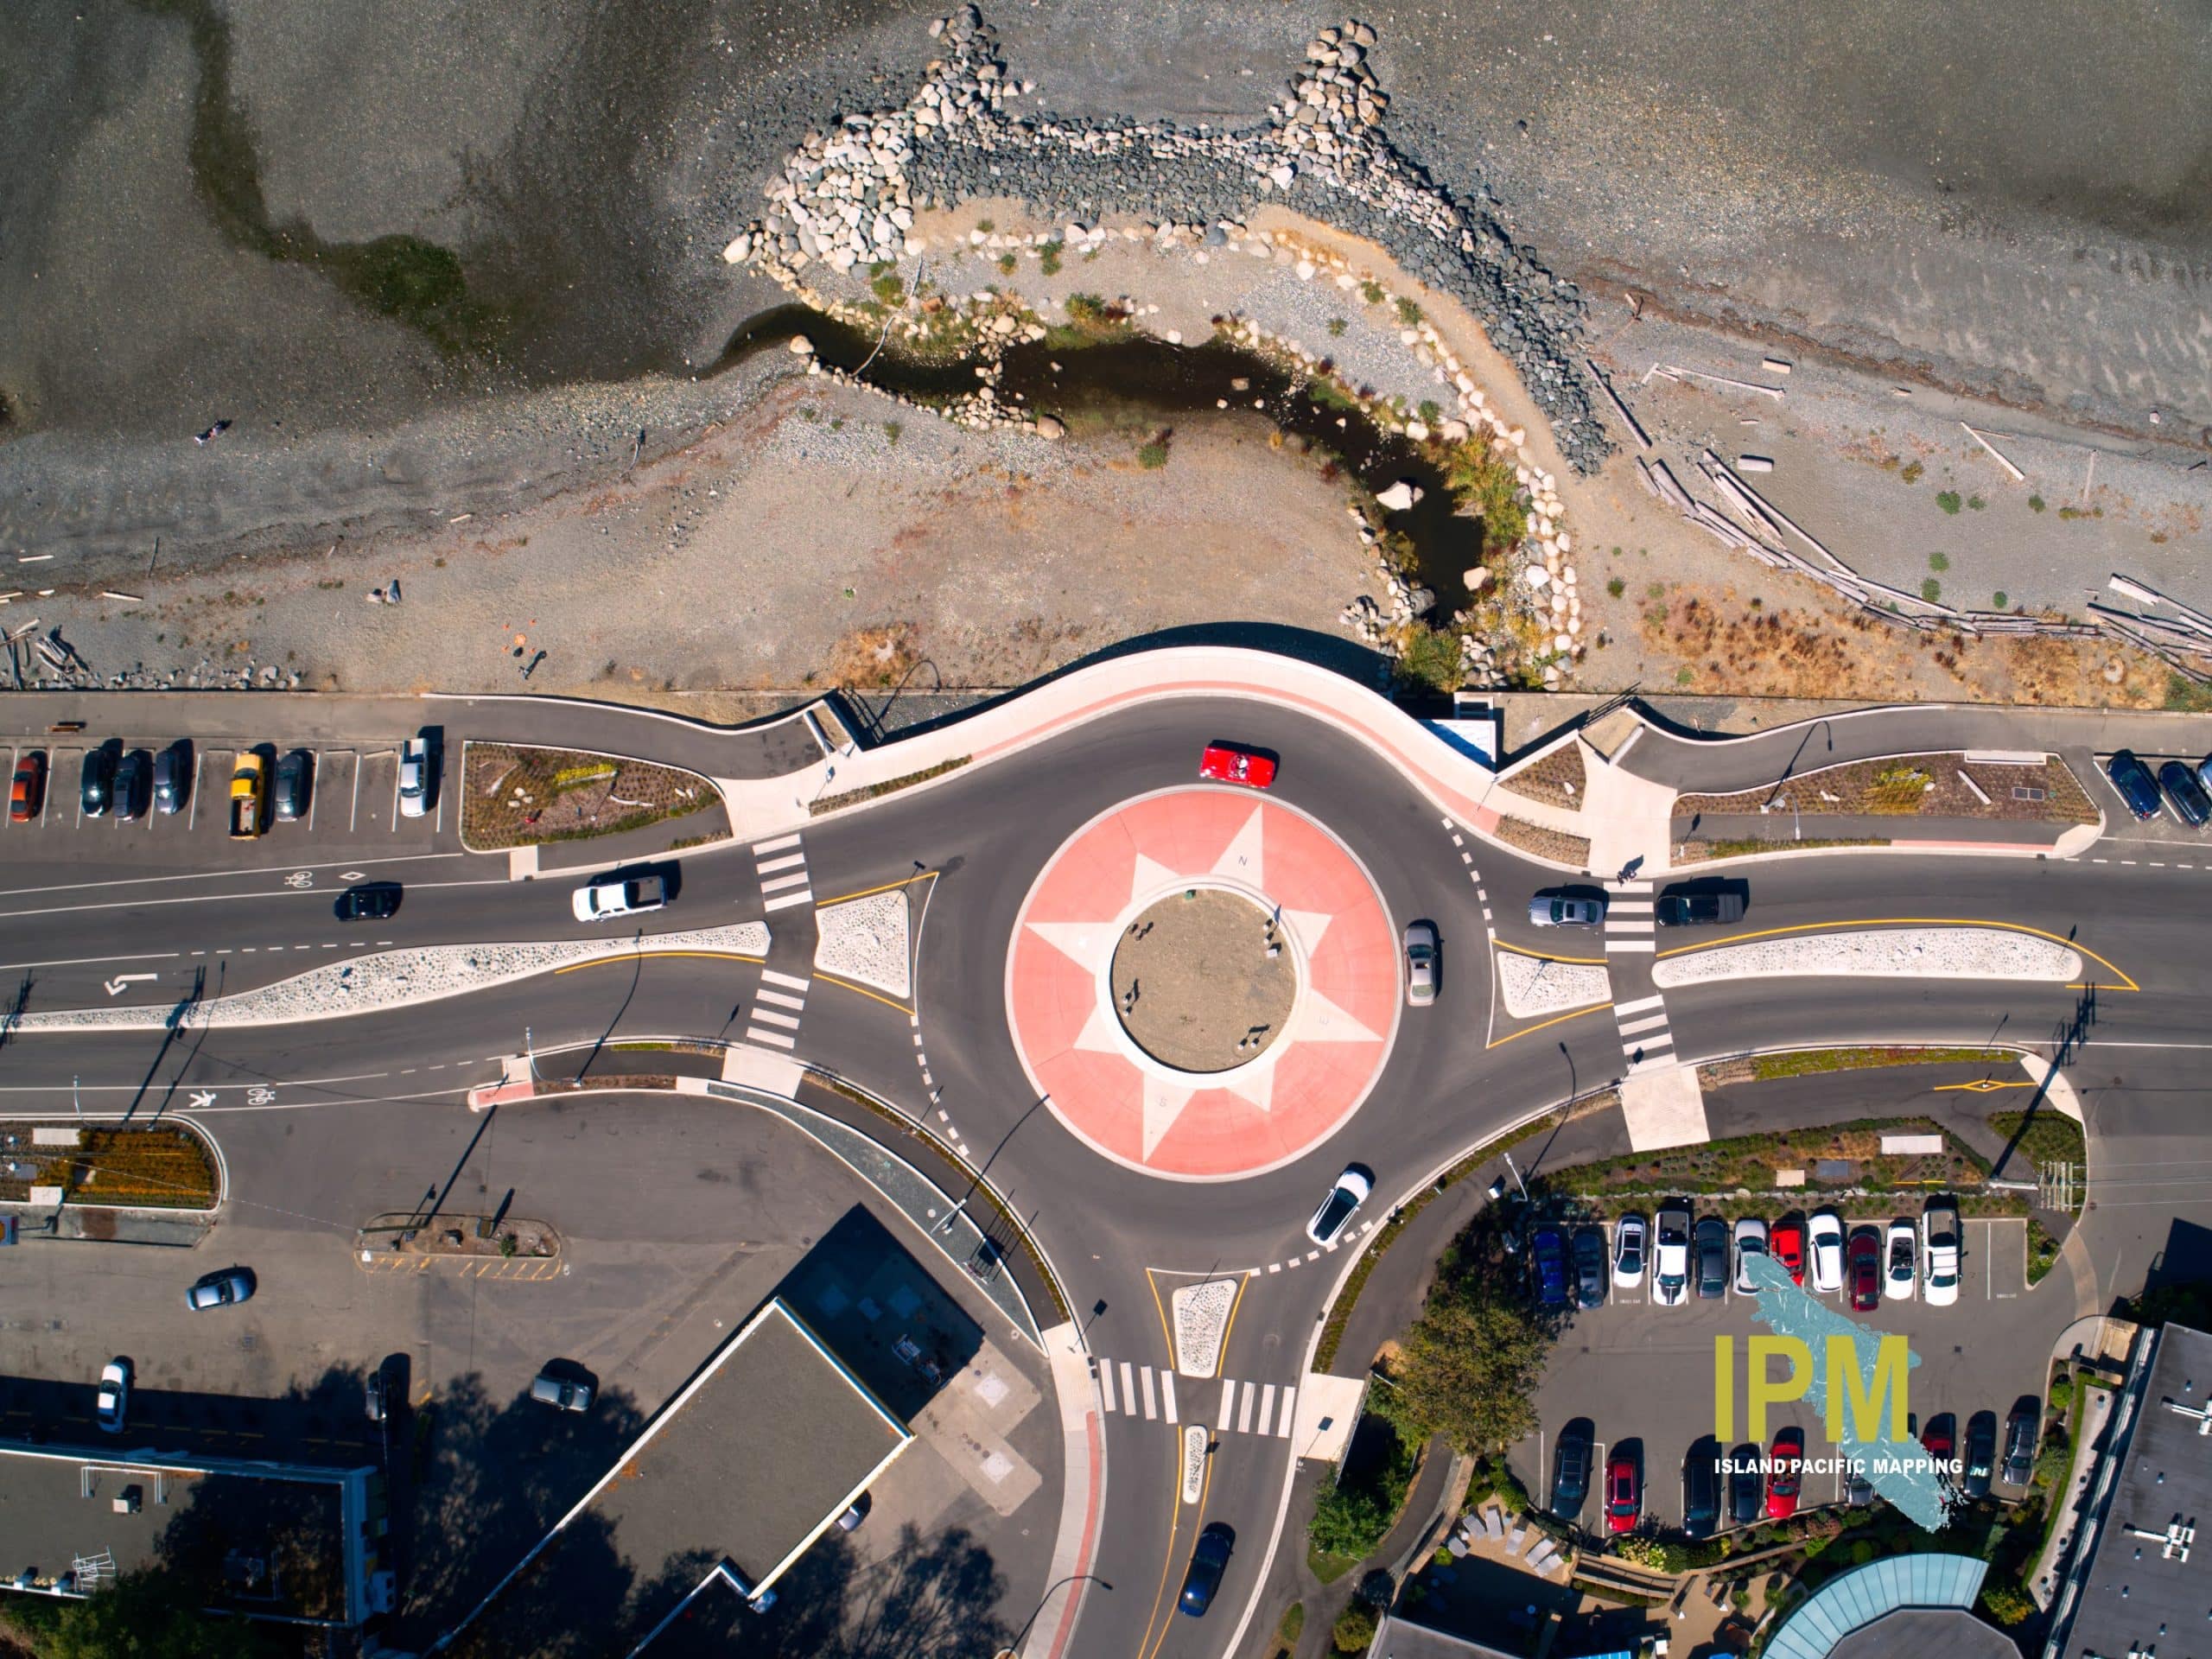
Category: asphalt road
<point>1119,1238</point>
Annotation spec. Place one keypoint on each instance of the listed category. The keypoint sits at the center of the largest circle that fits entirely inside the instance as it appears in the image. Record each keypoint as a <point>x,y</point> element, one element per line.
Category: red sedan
<point>1785,1472</point>
<point>1863,1270</point>
<point>1623,1495</point>
<point>1225,763</point>
<point>30,787</point>
<point>1786,1242</point>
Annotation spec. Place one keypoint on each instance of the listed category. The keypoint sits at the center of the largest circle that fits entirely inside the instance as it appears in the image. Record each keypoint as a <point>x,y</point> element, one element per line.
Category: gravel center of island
<point>1202,980</point>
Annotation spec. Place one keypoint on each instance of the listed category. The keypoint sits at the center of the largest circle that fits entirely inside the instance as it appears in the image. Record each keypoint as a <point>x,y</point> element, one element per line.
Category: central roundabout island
<point>1204,980</point>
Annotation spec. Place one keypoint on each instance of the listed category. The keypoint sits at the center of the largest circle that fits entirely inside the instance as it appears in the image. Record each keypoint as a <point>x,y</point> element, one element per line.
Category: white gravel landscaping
<point>393,979</point>
<point>1532,986</point>
<point>1906,952</point>
<point>1201,1323</point>
<point>867,940</point>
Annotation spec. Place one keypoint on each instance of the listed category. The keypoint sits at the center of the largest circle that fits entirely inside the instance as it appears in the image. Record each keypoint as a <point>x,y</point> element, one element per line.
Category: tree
<point>2005,1603</point>
<point>1351,1520</point>
<point>1354,1628</point>
<point>1468,1369</point>
<point>152,1614</point>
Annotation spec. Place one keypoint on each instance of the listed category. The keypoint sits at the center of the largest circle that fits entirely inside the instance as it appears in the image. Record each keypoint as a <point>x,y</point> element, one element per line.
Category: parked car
<point>1548,1267</point>
<point>1902,1270</point>
<point>1623,1494</point>
<point>1589,1267</point>
<point>1824,1233</point>
<point>417,777</point>
<point>1698,907</point>
<point>1785,1474</point>
<point>370,901</point>
<point>631,895</point>
<point>1670,1263</point>
<point>1939,1250</point>
<point>1940,1439</point>
<point>1981,1453</point>
<point>115,1394</point>
<point>1227,763</point>
<point>295,780</point>
<point>373,1396</point>
<point>1750,1241</point>
<point>561,1392</point>
<point>1346,1197</point>
<point>855,1512</point>
<point>1858,1491</point>
<point>1209,1560</point>
<point>2021,1430</point>
<point>29,792</point>
<point>1566,910</point>
<point>96,783</point>
<point>224,1287</point>
<point>1631,1239</point>
<point>2185,794</point>
<point>134,791</point>
<point>1787,1241</point>
<point>1745,1489</point>
<point>1421,963</point>
<point>2137,787</point>
<point>1571,1468</point>
<point>173,778</point>
<point>1712,1241</point>
<point>1701,1487</point>
<point>1863,1270</point>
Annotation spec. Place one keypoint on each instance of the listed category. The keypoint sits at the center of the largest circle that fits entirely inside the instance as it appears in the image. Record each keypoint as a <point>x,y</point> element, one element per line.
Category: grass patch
<point>2186,696</point>
<point>1371,292</point>
<point>1336,327</point>
<point>1813,1062</point>
<point>2050,1137</point>
<point>1329,395</point>
<point>161,1167</point>
<point>891,430</point>
<point>1743,846</point>
<point>1430,411</point>
<point>1408,314</point>
<point>888,288</point>
<point>1949,500</point>
<point>1617,587</point>
<point>1007,262</point>
<point>1154,455</point>
<point>1975,503</point>
<point>1911,471</point>
<point>1048,257</point>
<point>2036,504</point>
<point>1747,1163</point>
<point>2042,1250</point>
<point>1931,590</point>
<point>850,796</point>
<point>1292,1625</point>
<point>1999,602</point>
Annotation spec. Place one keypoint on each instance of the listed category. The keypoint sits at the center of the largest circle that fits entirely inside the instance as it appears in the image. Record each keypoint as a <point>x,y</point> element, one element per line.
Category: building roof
<point>1840,1611</point>
<point>1401,1638</point>
<point>2131,1584</point>
<point>1926,1633</point>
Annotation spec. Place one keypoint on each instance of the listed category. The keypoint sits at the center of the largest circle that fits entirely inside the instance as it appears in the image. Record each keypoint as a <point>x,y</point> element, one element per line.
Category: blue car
<point>2186,793</point>
<point>1547,1253</point>
<point>1209,1560</point>
<point>2134,782</point>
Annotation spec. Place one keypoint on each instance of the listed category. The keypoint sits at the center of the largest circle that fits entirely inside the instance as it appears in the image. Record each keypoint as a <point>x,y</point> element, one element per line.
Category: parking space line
<point>314,786</point>
<point>353,808</point>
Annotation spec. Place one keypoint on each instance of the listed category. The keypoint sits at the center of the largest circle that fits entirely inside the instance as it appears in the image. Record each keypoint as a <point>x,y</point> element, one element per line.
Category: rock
<point>1050,426</point>
<point>1401,496</point>
<point>1421,600</point>
<point>1282,176</point>
<point>1476,576</point>
<point>1537,577</point>
<point>801,345</point>
<point>739,251</point>
<point>1417,430</point>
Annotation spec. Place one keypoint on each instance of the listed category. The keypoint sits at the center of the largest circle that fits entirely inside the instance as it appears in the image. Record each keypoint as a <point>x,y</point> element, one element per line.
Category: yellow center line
<point>868,892</point>
<point>1916,921</point>
<point>1557,1019</point>
<point>601,962</point>
<point>1588,962</point>
<point>1982,1086</point>
<point>846,984</point>
<point>1151,1644</point>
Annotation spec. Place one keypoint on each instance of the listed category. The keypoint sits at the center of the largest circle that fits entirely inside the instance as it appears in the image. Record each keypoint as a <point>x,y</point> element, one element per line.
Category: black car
<point>1709,1252</point>
<point>294,779</point>
<point>1746,1491</point>
<point>1701,1487</point>
<point>173,776</point>
<point>1694,907</point>
<point>1589,1267</point>
<point>2134,782</point>
<point>1981,1453</point>
<point>131,786</point>
<point>1571,1468</point>
<point>96,790</point>
<point>1209,1560</point>
<point>2020,1431</point>
<point>2187,795</point>
<point>372,1395</point>
<point>371,901</point>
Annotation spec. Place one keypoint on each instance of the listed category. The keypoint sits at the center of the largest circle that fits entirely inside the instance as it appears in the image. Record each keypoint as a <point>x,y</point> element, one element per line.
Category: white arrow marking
<point>115,986</point>
<point>202,1098</point>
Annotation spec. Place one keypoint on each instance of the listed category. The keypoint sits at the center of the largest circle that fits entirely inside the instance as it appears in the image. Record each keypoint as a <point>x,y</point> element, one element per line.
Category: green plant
<point>2005,1603</point>
<point>2035,504</point>
<point>889,288</point>
<point>1975,503</point>
<point>1430,411</point>
<point>891,431</point>
<point>1293,1623</point>
<point>2186,696</point>
<point>1349,1521</point>
<point>1007,262</point>
<point>2042,1250</point>
<point>1931,590</point>
<point>1939,562</point>
<point>1468,1367</point>
<point>1048,256</point>
<point>1999,602</point>
<point>507,1245</point>
<point>1354,1628</point>
<point>1429,658</point>
<point>1949,500</point>
<point>1371,292</point>
<point>1616,587</point>
<point>986,225</point>
<point>1911,471</point>
<point>2059,1396</point>
<point>1336,326</point>
<point>1408,314</point>
<point>1154,455</point>
<point>1685,675</point>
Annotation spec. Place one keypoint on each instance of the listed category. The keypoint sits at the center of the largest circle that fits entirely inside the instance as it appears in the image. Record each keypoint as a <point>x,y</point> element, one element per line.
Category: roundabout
<point>1203,986</point>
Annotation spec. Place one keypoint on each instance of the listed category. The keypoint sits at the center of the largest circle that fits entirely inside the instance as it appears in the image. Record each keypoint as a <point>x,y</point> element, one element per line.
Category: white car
<point>1940,1252</point>
<point>1631,1242</point>
<point>1900,1262</point>
<point>1670,1262</point>
<point>115,1394</point>
<point>1824,1243</point>
<point>1346,1196</point>
<point>1750,1241</point>
<point>625,896</point>
<point>414,777</point>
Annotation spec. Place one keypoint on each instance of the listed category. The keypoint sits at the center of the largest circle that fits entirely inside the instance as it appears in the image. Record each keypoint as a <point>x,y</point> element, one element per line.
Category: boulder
<point>1401,496</point>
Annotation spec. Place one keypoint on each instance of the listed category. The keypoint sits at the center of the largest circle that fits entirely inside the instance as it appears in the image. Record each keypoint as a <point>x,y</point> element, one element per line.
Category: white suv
<point>414,777</point>
<point>1670,1262</point>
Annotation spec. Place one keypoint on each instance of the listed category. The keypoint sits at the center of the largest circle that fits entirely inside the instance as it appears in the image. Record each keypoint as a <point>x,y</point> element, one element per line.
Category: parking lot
<point>1644,1374</point>
<point>2167,827</point>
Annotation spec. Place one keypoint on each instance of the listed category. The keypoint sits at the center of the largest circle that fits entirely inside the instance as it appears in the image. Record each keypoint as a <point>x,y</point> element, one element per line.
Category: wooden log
<point>1643,439</point>
<point>2018,477</point>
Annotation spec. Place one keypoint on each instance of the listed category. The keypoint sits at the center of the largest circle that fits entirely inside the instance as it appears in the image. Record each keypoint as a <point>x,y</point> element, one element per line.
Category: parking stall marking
<point>781,862</point>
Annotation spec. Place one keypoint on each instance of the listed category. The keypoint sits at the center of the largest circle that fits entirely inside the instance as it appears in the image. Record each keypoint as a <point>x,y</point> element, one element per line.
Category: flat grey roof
<point>1400,1638</point>
<point>2133,1597</point>
<point>1926,1633</point>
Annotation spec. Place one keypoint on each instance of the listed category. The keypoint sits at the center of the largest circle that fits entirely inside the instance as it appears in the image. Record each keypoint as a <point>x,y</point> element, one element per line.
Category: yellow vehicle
<point>247,796</point>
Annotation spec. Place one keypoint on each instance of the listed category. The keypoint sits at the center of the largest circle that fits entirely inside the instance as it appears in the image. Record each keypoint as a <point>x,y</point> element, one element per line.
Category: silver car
<point>1566,910</point>
<point>1421,964</point>
<point>1750,1241</point>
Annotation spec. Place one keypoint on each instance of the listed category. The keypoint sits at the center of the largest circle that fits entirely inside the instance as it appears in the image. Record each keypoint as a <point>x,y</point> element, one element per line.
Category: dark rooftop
<point>1401,1638</point>
<point>1926,1633</point>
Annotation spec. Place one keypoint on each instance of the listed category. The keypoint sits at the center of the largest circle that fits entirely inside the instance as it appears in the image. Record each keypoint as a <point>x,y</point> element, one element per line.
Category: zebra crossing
<point>1630,927</point>
<point>1127,1389</point>
<point>1645,1038</point>
<point>782,866</point>
<point>776,1006</point>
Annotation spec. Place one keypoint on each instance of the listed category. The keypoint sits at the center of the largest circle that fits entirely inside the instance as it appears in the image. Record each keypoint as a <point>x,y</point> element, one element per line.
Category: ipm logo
<point>1851,1384</point>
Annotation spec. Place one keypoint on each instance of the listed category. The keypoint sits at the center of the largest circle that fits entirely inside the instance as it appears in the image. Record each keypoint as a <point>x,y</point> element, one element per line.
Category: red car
<point>1863,1270</point>
<point>1786,1242</point>
<point>1623,1495</point>
<point>1786,1471</point>
<point>30,788</point>
<point>1225,763</point>
<point>1939,1440</point>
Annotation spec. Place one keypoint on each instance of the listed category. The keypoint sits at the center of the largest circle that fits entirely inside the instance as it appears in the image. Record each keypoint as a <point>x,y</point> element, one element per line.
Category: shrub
<point>1351,1520</point>
<point>1949,500</point>
<point>1931,590</point>
<point>1153,456</point>
<point>1408,314</point>
<point>1048,257</point>
<point>1939,562</point>
<point>1617,587</point>
<point>1007,262</point>
<point>1429,411</point>
<point>1430,658</point>
<point>2005,1603</point>
<point>1912,471</point>
<point>1371,292</point>
<point>1335,325</point>
<point>2035,504</point>
<point>1997,601</point>
<point>1354,1628</point>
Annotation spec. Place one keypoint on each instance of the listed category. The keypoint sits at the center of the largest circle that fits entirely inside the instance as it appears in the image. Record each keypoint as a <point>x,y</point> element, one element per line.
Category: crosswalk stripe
<point>1289,1413</point>
<point>775,846</point>
<point>1244,1412</point>
<point>755,1034</point>
<point>1151,1400</point>
<point>1620,1010</point>
<point>785,901</point>
<point>790,861</point>
<point>770,976</point>
<point>1612,944</point>
<point>778,883</point>
<point>1648,1046</point>
<point>1630,926</point>
<point>779,999</point>
<point>770,1017</point>
<point>1167,1395</point>
<point>1128,1389</point>
<point>1611,887</point>
<point>1228,1406</point>
<point>1628,1027</point>
<point>1106,1385</point>
<point>1626,907</point>
<point>1267,1404</point>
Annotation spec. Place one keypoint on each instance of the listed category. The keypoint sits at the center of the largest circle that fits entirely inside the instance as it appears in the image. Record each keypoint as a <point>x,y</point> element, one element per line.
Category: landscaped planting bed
<point>517,796</point>
<point>1557,777</point>
<point>161,1166</point>
<point>1920,784</point>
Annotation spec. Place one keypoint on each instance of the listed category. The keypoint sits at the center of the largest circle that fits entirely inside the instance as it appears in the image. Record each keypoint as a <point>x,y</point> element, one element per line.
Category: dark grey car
<point>294,779</point>
<point>173,777</point>
<point>1981,1454</point>
<point>1710,1254</point>
<point>2020,1443</point>
<point>1571,1468</point>
<point>1589,1264</point>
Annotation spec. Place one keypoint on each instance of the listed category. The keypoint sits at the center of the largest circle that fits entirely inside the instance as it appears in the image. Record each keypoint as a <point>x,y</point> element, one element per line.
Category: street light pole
<point>1518,1181</point>
<point>75,1099</point>
<point>529,1052</point>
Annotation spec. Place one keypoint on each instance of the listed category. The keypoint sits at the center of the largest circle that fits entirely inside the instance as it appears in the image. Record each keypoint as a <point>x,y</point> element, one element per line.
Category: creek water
<point>1137,384</point>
